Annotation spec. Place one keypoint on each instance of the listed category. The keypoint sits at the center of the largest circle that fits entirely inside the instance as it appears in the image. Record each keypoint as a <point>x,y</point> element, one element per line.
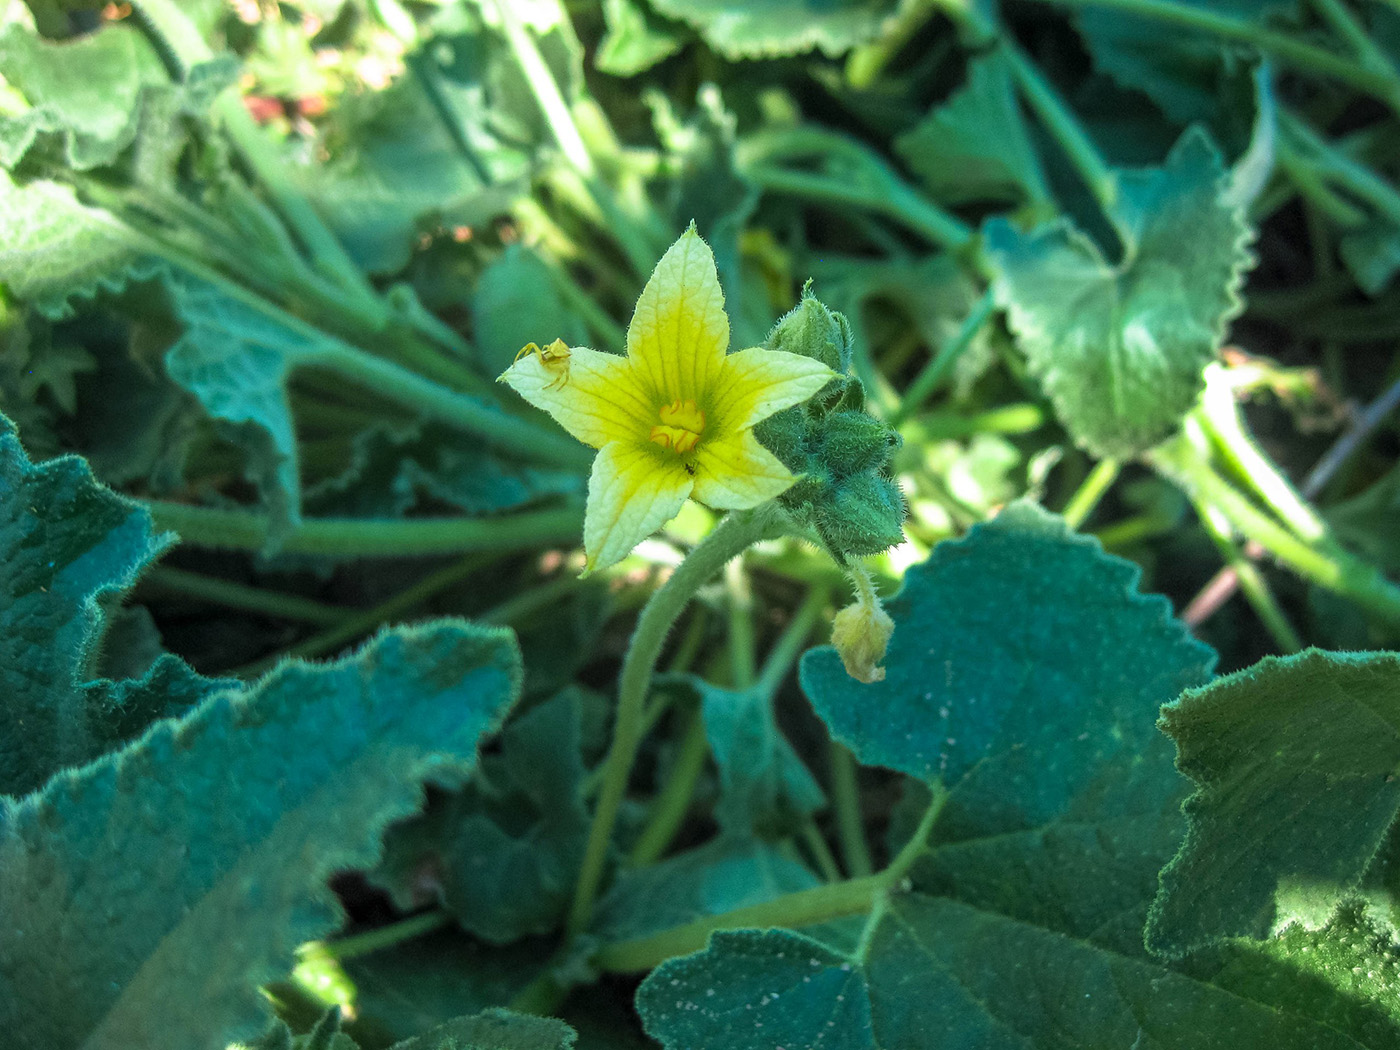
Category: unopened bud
<point>813,330</point>
<point>861,632</point>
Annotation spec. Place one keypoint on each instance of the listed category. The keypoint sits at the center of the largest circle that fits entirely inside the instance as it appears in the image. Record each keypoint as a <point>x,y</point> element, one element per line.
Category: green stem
<point>356,538</point>
<point>941,365</point>
<point>821,852</point>
<point>1020,417</point>
<point>241,596</point>
<point>743,659</point>
<point>546,91</point>
<point>845,800</point>
<point>1087,496</point>
<point>1219,416</point>
<point>1334,163</point>
<point>790,643</point>
<point>384,937</point>
<point>1061,123</point>
<point>673,803</point>
<point>729,539</point>
<point>1323,563</point>
<point>490,424</point>
<point>897,201</point>
<point>1256,589</point>
<point>363,623</point>
<point>804,908</point>
<point>1286,48</point>
<point>1336,15</point>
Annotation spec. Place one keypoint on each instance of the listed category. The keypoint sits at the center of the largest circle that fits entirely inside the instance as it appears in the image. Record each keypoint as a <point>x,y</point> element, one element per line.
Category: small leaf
<point>768,28</point>
<point>236,361</point>
<point>636,38</point>
<point>975,146</point>
<point>727,873</point>
<point>502,854</point>
<point>1121,347</point>
<point>396,467</point>
<point>495,1030</point>
<point>764,786</point>
<point>1295,764</point>
<point>937,973</point>
<point>198,856</point>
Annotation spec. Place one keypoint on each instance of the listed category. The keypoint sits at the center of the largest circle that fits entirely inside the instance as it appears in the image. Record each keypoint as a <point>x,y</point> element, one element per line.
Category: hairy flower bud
<point>861,632</point>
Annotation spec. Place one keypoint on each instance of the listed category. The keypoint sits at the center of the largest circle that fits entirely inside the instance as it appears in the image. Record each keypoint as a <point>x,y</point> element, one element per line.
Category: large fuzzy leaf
<point>1295,764</point>
<point>66,545</point>
<point>1121,346</point>
<point>147,895</point>
<point>935,974</point>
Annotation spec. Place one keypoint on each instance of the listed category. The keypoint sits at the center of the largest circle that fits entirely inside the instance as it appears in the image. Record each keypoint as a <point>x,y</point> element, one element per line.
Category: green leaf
<point>56,248</point>
<point>636,38</point>
<point>740,29</point>
<point>937,973</point>
<point>1020,647</point>
<point>86,92</point>
<point>197,858</point>
<point>975,146</point>
<point>1372,254</point>
<point>517,302</point>
<point>67,545</point>
<point>448,145</point>
<point>501,855</point>
<point>1121,347</point>
<point>395,468</point>
<point>236,361</point>
<point>1185,73</point>
<point>727,873</point>
<point>414,985</point>
<point>495,1030</point>
<point>764,786</point>
<point>1294,761</point>
<point>1366,521</point>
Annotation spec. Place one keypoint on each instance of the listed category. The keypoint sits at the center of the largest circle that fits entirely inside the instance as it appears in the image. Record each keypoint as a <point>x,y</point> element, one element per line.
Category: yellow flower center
<point>681,426</point>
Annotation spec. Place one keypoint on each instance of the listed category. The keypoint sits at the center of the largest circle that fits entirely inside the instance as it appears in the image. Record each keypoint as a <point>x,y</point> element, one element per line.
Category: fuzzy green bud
<point>862,515</point>
<point>853,442</point>
<point>813,330</point>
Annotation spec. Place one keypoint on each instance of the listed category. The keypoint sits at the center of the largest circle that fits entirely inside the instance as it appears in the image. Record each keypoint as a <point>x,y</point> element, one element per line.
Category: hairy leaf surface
<point>1121,346</point>
<point>148,894</point>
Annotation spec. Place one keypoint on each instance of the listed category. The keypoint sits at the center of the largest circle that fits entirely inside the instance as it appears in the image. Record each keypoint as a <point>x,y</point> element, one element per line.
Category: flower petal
<point>679,332</point>
<point>735,472</point>
<point>753,384</point>
<point>592,395</point>
<point>634,490</point>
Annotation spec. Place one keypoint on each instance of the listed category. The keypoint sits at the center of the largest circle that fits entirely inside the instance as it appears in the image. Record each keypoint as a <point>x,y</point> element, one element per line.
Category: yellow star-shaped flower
<point>675,417</point>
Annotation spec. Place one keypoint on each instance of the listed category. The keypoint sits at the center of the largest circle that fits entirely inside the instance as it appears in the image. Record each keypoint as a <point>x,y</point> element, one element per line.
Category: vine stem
<point>1249,579</point>
<point>804,908</point>
<point>1324,563</point>
<point>359,538</point>
<point>729,539</point>
<point>242,596</point>
<point>1087,496</point>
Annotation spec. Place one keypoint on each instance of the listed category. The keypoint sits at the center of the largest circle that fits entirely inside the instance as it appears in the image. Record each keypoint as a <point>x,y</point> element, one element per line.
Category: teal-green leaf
<point>936,974</point>
<point>502,853</point>
<point>395,467</point>
<point>767,28</point>
<point>1366,521</point>
<point>67,544</point>
<point>517,302</point>
<point>1295,762</point>
<point>56,248</point>
<point>726,873</point>
<point>85,92</point>
<point>495,1030</point>
<point>236,361</point>
<point>148,894</point>
<point>1022,639</point>
<point>975,146</point>
<point>636,38</point>
<point>764,785</point>
<point>1121,347</point>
